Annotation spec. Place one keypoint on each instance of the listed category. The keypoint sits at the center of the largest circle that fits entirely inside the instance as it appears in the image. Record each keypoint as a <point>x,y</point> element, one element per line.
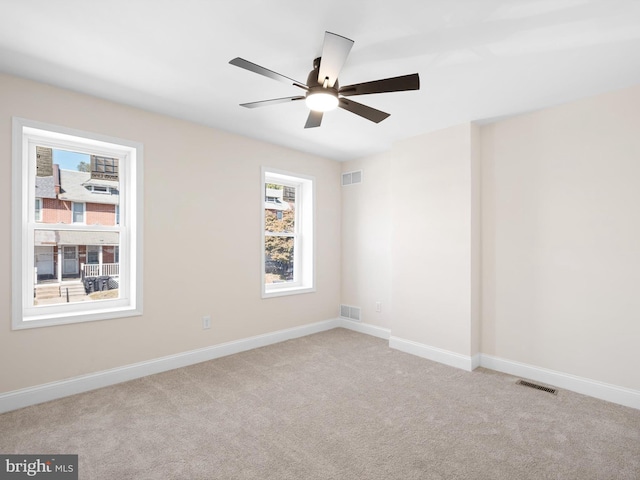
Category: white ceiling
<point>477,59</point>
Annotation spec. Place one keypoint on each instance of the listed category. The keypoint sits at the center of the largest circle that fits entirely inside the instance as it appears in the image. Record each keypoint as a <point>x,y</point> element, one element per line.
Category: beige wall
<point>366,240</point>
<point>201,241</point>
<point>558,216</point>
<point>561,238</point>
<point>519,239</point>
<point>431,242</point>
<point>408,240</point>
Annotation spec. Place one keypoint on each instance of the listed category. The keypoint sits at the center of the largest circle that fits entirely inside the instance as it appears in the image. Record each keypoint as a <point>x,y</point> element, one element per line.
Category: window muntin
<point>61,249</point>
<point>288,234</point>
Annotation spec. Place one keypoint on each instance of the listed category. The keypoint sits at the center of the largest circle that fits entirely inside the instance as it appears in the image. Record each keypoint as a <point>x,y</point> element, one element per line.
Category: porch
<point>99,270</point>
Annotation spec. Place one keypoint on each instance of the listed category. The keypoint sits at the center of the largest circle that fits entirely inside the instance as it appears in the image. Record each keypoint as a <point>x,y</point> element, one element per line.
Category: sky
<point>69,160</point>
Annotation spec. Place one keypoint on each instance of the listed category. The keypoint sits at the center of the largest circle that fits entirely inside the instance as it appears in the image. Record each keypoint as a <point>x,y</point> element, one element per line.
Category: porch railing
<point>100,269</point>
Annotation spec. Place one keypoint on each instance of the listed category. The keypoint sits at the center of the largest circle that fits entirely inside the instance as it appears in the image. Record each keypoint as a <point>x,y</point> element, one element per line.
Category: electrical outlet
<point>206,322</point>
<point>378,307</point>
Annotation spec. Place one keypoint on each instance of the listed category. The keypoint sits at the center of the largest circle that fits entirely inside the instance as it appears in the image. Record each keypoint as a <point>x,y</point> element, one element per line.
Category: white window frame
<point>73,212</point>
<point>28,133</point>
<point>304,238</point>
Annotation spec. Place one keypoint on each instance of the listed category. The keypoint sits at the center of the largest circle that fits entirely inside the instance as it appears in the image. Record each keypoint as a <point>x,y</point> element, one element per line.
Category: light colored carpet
<point>336,405</point>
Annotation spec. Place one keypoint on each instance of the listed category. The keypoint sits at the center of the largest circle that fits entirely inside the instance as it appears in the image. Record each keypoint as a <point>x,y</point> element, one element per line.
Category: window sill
<point>38,321</point>
<point>282,292</point>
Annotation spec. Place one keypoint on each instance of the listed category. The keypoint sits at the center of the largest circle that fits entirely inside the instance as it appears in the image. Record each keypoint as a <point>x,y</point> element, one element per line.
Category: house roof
<point>276,205</point>
<point>45,187</point>
<point>73,187</point>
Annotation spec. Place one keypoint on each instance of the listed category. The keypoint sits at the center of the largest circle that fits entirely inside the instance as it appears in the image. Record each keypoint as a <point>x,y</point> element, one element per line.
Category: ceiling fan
<point>323,93</point>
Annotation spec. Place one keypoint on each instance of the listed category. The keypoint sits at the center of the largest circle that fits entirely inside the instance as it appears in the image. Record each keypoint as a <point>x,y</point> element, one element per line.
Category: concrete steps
<point>47,292</point>
<point>74,289</point>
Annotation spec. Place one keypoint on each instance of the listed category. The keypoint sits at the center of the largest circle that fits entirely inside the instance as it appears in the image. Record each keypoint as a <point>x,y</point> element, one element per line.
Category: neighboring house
<point>72,197</point>
<point>273,200</point>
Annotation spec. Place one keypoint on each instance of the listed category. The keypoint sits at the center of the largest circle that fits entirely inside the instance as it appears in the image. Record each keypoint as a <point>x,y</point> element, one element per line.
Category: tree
<point>84,167</point>
<point>279,250</point>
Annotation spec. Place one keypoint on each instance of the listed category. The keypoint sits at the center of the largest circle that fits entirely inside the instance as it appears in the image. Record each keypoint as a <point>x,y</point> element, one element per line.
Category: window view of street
<point>74,191</point>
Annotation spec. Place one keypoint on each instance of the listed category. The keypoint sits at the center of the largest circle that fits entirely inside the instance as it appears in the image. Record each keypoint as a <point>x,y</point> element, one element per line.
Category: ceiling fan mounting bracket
<point>314,81</point>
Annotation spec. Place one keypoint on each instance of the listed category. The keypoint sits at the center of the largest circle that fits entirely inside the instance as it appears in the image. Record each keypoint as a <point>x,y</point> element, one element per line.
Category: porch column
<point>59,266</point>
<point>100,260</point>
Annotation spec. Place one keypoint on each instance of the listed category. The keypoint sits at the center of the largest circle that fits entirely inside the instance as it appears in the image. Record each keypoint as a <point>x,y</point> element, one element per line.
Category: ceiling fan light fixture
<point>321,101</point>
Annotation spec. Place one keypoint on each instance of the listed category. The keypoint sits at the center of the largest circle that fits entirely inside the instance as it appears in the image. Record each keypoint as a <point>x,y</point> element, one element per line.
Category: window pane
<point>93,254</point>
<point>78,213</point>
<point>279,208</point>
<point>38,209</point>
<point>278,262</point>
<point>75,187</point>
<point>75,266</point>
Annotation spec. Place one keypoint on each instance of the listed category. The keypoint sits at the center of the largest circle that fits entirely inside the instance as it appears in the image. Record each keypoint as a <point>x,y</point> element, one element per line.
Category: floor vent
<point>537,387</point>
<point>347,311</point>
<point>351,178</point>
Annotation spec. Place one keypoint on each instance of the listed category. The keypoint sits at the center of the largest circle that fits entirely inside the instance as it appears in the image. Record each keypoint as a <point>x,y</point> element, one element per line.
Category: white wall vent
<point>352,313</point>
<point>351,178</point>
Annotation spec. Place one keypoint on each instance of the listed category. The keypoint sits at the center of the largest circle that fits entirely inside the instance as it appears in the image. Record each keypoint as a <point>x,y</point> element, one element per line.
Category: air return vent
<point>537,387</point>
<point>351,178</point>
<point>352,313</point>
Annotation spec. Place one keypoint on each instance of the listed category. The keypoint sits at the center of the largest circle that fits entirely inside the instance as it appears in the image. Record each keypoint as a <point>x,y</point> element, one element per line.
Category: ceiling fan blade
<point>395,84</point>
<point>314,119</point>
<point>264,103</point>
<point>366,112</point>
<point>252,67</point>
<point>334,53</point>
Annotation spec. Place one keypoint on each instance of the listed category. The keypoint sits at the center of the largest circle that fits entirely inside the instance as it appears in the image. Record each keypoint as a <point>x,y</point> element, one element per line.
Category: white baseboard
<point>447,357</point>
<point>51,391</point>
<point>475,361</point>
<point>54,390</point>
<point>585,386</point>
<point>366,328</point>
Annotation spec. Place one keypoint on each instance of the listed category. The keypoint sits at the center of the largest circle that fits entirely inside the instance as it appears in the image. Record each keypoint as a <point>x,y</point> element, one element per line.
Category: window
<point>287,202</point>
<point>93,254</point>
<point>104,167</point>
<point>77,212</point>
<point>38,210</point>
<point>52,244</point>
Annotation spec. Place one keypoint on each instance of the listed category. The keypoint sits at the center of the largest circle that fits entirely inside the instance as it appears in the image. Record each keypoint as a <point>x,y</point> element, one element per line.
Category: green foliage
<point>84,167</point>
